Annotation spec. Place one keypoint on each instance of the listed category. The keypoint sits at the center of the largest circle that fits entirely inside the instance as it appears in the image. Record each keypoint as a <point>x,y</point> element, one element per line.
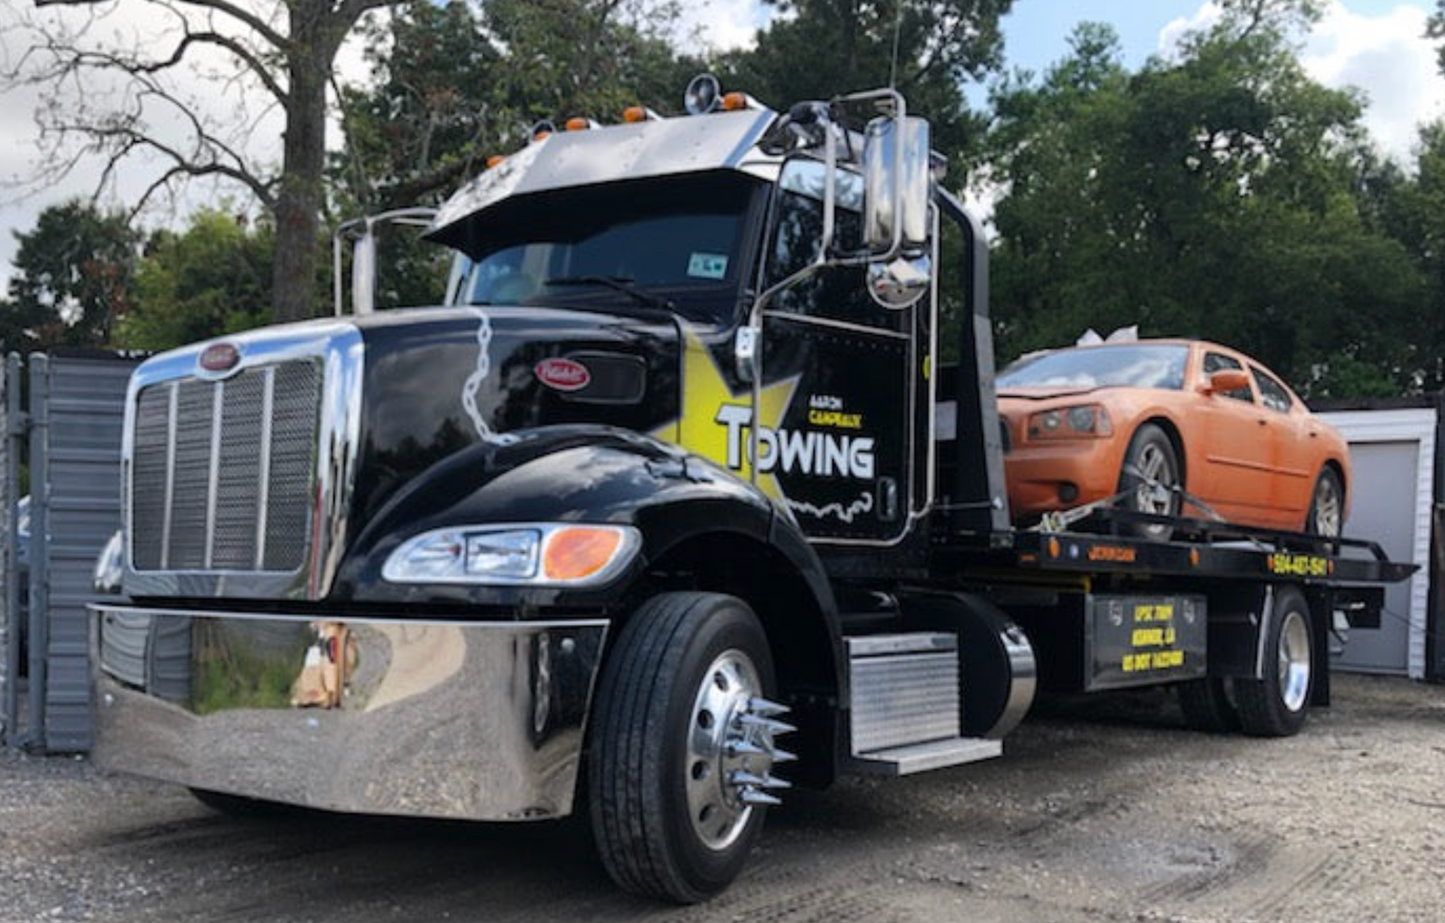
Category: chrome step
<point>936,754</point>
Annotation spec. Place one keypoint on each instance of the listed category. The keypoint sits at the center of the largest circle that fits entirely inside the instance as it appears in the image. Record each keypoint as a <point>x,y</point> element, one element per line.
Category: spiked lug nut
<point>768,725</point>
<point>752,796</point>
<point>753,780</point>
<point>736,748</point>
<point>783,756</point>
<point>766,709</point>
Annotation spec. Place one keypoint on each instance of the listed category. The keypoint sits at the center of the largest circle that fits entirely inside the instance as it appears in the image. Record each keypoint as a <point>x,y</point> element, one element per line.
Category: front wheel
<point>682,748</point>
<point>1150,481</point>
<point>1277,704</point>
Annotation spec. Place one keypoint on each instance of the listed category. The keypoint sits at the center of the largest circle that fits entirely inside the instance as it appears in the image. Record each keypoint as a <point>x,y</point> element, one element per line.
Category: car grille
<point>223,472</point>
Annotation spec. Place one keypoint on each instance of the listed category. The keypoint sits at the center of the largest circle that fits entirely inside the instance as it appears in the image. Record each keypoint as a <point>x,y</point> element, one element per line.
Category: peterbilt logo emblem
<point>219,357</point>
<point>562,374</point>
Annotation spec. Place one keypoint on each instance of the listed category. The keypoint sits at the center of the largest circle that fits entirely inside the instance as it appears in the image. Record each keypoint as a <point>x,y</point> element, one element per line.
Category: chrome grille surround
<point>197,519</point>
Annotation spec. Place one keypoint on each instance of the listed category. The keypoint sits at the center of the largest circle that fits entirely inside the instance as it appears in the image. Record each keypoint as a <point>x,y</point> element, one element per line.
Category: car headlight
<point>535,554</point>
<point>1085,421</point>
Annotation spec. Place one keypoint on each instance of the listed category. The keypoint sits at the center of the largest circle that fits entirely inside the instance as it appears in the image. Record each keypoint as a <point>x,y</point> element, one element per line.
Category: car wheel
<point>1150,481</point>
<point>682,746</point>
<point>1327,506</point>
<point>1277,704</point>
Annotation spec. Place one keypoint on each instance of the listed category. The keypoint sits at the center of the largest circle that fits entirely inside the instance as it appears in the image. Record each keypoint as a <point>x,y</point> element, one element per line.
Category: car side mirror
<point>1226,380</point>
<point>896,173</point>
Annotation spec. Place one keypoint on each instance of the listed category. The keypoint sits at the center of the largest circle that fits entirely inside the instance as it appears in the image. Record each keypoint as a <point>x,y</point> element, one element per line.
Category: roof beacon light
<point>704,94</point>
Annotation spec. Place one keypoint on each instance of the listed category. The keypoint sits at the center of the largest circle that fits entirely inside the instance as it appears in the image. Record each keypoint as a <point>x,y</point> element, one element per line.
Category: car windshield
<point>1131,365</point>
<point>673,238</point>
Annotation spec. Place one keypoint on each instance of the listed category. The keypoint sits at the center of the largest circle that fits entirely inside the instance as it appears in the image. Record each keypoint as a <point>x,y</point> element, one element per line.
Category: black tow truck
<point>670,505</point>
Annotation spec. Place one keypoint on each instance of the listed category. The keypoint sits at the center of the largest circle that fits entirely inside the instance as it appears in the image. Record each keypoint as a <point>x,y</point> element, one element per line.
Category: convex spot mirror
<point>899,283</point>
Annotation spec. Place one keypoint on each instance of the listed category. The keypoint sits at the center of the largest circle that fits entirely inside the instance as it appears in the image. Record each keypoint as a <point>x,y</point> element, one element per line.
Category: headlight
<point>1086,421</point>
<point>536,554</point>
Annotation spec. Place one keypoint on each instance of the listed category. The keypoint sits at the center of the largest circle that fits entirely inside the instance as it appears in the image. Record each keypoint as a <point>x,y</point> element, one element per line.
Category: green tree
<point>820,48</point>
<point>117,94</point>
<point>212,278</point>
<point>74,275</point>
<point>456,83</point>
<point>1218,194</point>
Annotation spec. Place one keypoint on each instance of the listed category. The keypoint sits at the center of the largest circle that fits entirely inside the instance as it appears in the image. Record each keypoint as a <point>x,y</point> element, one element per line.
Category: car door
<point>1238,471</point>
<point>1292,455</point>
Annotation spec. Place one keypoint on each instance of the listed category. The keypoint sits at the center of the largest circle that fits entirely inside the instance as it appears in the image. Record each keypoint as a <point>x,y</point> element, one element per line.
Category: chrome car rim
<point>1156,481</point>
<point>730,750</point>
<point>1294,660</point>
<point>1327,509</point>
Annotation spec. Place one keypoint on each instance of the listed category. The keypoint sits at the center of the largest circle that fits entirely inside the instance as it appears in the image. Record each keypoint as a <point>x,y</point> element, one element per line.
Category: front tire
<point>676,726</point>
<point>1151,481</point>
<point>1277,704</point>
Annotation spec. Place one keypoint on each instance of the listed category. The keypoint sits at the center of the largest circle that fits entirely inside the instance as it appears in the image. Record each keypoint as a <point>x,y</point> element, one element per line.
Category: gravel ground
<point>1103,809</point>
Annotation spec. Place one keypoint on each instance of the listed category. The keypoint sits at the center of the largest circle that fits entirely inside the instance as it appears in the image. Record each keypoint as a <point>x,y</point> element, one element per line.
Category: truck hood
<point>440,379</point>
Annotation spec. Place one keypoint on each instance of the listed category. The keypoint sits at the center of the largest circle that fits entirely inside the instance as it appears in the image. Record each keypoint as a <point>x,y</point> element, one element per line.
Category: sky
<point>1376,46</point>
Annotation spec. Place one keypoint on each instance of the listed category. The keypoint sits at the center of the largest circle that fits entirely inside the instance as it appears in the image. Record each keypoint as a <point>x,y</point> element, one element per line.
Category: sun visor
<point>565,160</point>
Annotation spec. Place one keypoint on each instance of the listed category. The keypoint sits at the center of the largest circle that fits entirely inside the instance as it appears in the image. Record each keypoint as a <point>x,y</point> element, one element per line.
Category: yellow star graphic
<point>716,421</point>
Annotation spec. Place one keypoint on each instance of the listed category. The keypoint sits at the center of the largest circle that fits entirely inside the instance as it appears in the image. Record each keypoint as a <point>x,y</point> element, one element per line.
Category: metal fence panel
<point>78,406</point>
<point>11,427</point>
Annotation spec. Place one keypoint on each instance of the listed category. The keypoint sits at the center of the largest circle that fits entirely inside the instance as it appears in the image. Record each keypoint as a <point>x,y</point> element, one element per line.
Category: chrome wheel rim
<point>1294,660</point>
<point>720,749</point>
<point>1327,509</point>
<point>1155,493</point>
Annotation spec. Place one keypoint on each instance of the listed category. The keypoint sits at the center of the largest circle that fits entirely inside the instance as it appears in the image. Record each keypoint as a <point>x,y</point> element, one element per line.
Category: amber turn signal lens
<point>577,124</point>
<point>579,552</point>
<point>732,102</point>
<point>495,159</point>
<point>634,114</point>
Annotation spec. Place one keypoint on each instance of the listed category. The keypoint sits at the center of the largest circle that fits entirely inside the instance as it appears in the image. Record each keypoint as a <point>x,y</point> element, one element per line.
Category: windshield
<point>679,239</point>
<point>1132,365</point>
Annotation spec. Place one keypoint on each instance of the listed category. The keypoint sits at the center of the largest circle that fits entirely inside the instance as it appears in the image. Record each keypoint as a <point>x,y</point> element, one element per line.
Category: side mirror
<point>363,272</point>
<point>1226,380</point>
<point>896,173</point>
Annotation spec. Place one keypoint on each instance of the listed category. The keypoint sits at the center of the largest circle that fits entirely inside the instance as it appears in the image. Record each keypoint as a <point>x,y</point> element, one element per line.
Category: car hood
<point>1045,394</point>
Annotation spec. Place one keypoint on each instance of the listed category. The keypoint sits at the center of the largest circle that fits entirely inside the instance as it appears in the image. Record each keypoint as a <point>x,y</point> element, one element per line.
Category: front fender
<point>556,474</point>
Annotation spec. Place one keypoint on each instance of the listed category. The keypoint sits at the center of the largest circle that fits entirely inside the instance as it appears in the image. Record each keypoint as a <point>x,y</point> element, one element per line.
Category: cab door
<point>840,374</point>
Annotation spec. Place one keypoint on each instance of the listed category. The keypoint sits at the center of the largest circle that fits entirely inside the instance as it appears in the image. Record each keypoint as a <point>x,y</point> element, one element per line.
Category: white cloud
<point>1385,56</point>
<point>719,25</point>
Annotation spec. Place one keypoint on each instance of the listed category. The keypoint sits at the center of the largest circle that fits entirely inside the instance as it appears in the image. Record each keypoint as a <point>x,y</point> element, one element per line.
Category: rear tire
<point>1277,705</point>
<point>1150,481</point>
<point>666,819</point>
<point>1206,706</point>
<point>1327,506</point>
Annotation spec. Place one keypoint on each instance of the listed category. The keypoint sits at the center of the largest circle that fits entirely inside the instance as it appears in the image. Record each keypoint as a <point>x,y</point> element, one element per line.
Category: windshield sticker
<point>707,266</point>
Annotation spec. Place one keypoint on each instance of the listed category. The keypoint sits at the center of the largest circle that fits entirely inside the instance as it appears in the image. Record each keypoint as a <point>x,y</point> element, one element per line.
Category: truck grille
<point>223,472</point>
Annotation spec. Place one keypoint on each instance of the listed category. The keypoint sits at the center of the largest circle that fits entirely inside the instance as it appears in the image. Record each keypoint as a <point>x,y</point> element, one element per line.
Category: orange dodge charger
<point>1146,419</point>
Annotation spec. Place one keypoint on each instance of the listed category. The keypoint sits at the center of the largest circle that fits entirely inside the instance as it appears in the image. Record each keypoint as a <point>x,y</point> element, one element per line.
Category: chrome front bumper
<point>474,720</point>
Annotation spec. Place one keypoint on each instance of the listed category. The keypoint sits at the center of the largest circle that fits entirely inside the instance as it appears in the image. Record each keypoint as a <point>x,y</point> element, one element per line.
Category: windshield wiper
<point>619,284</point>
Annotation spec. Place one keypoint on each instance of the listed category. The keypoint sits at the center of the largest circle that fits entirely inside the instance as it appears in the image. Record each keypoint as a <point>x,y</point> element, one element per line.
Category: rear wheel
<point>1327,506</point>
<point>1277,704</point>
<point>682,746</point>
<point>1150,480</point>
<point>1206,706</point>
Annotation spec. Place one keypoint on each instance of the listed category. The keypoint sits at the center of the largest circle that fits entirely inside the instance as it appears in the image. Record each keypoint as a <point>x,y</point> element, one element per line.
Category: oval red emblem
<point>220,357</point>
<point>563,374</point>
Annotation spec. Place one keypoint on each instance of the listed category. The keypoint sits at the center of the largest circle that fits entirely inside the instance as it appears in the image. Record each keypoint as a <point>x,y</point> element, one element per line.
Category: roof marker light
<point>495,159</point>
<point>542,129</point>
<point>578,123</point>
<point>633,114</point>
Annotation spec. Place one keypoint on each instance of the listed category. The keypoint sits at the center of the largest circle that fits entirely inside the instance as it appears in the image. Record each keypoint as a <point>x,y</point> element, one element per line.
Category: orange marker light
<point>578,124</point>
<point>732,102</point>
<point>634,114</point>
<point>542,136</point>
<point>495,159</point>
<point>579,552</point>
